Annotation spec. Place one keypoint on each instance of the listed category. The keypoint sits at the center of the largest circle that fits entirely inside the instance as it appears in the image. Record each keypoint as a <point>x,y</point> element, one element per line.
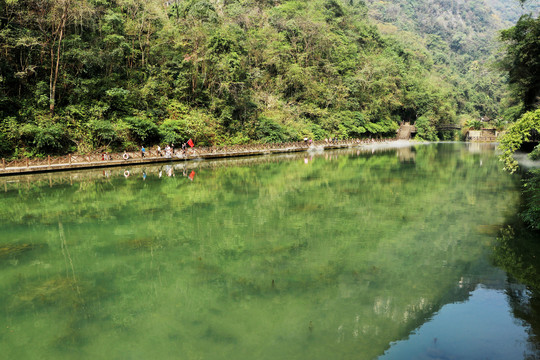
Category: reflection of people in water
<point>144,175</point>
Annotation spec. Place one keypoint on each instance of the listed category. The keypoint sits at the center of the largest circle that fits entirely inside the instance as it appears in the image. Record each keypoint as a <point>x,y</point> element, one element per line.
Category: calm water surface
<point>334,255</point>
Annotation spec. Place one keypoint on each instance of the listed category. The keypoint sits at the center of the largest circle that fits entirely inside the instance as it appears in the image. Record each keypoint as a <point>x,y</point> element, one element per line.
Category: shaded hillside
<point>461,36</point>
<point>512,10</point>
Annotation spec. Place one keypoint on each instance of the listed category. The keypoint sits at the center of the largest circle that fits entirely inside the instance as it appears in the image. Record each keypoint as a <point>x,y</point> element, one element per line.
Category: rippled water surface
<point>325,255</point>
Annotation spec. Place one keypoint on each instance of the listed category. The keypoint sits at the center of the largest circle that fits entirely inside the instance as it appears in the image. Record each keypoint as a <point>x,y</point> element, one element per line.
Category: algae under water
<point>332,255</point>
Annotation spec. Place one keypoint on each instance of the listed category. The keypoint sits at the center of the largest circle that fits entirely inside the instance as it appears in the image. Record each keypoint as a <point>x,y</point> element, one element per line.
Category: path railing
<point>152,155</point>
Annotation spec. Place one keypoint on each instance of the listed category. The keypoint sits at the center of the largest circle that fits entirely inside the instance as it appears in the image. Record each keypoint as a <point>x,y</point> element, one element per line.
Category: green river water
<point>353,254</point>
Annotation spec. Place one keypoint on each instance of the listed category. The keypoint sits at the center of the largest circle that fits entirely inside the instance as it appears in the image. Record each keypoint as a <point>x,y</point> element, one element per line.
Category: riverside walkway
<point>72,161</point>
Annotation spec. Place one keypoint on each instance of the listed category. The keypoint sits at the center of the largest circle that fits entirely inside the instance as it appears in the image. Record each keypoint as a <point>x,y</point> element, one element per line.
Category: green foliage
<point>10,135</point>
<point>499,124</point>
<point>516,135</point>
<point>184,124</point>
<point>268,131</point>
<point>522,59</point>
<point>49,138</point>
<point>474,124</point>
<point>531,196</point>
<point>535,154</point>
<point>513,113</point>
<point>425,128</point>
<point>102,133</point>
<point>117,98</point>
<point>5,145</point>
<point>458,45</point>
<point>517,251</point>
<point>142,129</point>
<point>174,131</point>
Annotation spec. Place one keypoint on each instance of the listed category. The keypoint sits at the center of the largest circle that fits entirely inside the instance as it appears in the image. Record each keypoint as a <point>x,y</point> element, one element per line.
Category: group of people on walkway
<point>169,151</point>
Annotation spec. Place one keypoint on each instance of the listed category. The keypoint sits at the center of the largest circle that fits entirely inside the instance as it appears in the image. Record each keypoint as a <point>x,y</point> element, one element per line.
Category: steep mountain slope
<point>461,36</point>
<point>512,10</point>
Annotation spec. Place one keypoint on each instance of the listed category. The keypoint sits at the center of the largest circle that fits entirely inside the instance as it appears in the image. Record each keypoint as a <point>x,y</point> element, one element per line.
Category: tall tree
<point>522,60</point>
<point>53,17</point>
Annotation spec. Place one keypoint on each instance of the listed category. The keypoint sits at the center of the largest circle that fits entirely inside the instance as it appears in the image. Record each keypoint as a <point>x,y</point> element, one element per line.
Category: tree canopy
<point>522,59</point>
<point>518,133</point>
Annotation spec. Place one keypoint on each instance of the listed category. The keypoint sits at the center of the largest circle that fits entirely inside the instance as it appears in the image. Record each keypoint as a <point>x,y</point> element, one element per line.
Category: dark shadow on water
<point>518,252</point>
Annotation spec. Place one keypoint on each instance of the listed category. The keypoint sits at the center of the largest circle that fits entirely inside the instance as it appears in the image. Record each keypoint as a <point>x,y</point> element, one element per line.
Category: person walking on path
<point>142,151</point>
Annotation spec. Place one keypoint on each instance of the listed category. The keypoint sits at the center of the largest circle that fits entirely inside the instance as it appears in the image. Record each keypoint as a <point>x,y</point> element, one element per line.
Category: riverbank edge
<point>189,157</point>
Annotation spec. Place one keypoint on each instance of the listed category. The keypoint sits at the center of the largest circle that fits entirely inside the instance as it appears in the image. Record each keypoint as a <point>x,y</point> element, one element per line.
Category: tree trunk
<point>54,70</point>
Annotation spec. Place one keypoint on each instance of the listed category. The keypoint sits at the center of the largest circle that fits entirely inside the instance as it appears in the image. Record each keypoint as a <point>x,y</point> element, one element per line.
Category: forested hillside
<point>521,62</point>
<point>93,74</point>
<point>461,36</point>
<point>512,10</point>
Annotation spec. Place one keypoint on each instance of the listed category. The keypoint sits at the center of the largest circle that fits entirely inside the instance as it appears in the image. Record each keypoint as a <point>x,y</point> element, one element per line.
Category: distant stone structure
<point>487,135</point>
<point>405,131</point>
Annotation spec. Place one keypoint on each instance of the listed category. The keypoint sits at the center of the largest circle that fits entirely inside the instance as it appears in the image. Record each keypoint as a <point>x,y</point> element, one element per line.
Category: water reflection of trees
<point>518,253</point>
<point>325,232</point>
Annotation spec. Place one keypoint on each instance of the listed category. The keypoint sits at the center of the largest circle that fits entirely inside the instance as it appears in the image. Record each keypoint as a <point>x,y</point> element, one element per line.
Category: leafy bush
<point>45,139</point>
<point>143,130</point>
<point>531,196</point>
<point>195,125</point>
<point>9,135</point>
<point>317,131</point>
<point>201,127</point>
<point>512,113</point>
<point>449,135</point>
<point>535,154</point>
<point>517,134</point>
<point>499,124</point>
<point>102,132</point>
<point>174,131</point>
<point>352,124</point>
<point>118,99</point>
<point>5,146</point>
<point>425,130</point>
<point>474,124</point>
<point>268,131</point>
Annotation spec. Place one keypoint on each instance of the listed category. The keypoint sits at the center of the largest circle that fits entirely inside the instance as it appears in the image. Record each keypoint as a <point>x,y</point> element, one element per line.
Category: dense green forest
<point>462,38</point>
<point>81,75</point>
<point>521,63</point>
